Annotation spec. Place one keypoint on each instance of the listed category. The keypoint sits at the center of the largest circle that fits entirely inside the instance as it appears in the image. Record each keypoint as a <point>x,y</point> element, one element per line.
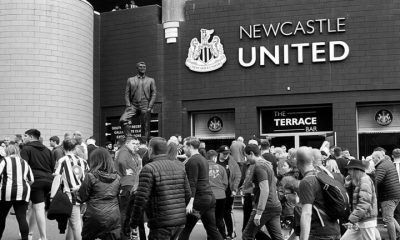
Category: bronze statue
<point>140,95</point>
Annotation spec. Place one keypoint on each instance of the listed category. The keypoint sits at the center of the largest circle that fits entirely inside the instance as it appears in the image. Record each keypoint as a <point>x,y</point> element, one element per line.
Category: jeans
<point>247,209</point>
<point>228,212</point>
<point>270,219</point>
<point>20,208</point>
<point>362,234</point>
<point>169,233</point>
<point>219,216</point>
<point>388,208</point>
<point>144,115</point>
<point>127,200</point>
<point>75,224</point>
<point>207,216</point>
<point>124,198</point>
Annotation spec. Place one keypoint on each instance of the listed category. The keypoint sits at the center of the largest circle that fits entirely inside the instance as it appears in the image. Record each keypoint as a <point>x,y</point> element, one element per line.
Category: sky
<point>108,5</point>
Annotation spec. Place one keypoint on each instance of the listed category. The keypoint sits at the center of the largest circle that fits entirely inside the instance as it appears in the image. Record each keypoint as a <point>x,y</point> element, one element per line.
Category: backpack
<point>335,197</point>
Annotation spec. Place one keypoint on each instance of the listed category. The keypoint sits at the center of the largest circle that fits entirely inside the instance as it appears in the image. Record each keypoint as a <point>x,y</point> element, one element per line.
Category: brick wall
<point>369,74</point>
<point>46,67</point>
<point>371,64</point>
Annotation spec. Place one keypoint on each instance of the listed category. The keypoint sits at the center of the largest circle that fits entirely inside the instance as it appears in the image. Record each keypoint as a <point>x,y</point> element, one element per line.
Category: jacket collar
<point>159,157</point>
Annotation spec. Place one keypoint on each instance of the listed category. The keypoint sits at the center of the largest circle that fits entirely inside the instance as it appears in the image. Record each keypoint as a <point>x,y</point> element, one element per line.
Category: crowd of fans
<point>110,193</point>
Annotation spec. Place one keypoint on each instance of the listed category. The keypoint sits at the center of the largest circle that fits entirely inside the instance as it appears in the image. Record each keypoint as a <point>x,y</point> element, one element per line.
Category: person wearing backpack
<point>362,221</point>
<point>315,224</point>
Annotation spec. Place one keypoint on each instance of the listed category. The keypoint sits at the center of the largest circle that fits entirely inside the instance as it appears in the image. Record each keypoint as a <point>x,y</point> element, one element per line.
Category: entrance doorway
<point>369,141</point>
<point>295,140</point>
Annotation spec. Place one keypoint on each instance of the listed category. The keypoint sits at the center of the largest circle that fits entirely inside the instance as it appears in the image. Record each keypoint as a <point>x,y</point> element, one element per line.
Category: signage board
<point>114,130</point>
<point>291,119</point>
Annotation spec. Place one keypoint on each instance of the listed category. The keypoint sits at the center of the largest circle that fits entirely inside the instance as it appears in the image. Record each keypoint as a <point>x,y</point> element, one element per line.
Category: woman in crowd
<point>363,219</point>
<point>172,151</point>
<point>71,171</point>
<point>15,180</point>
<point>219,183</point>
<point>100,191</point>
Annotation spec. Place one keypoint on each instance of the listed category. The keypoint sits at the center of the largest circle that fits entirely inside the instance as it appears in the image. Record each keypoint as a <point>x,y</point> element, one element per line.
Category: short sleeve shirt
<point>310,192</point>
<point>263,171</point>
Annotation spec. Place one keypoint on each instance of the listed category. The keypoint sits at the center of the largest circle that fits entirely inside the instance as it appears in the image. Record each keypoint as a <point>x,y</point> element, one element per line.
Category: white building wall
<point>46,67</point>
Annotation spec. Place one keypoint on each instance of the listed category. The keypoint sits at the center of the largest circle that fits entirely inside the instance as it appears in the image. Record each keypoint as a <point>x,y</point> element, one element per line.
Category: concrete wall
<point>46,67</point>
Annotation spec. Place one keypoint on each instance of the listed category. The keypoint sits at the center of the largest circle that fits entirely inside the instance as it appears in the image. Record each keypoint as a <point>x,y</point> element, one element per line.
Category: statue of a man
<point>140,95</point>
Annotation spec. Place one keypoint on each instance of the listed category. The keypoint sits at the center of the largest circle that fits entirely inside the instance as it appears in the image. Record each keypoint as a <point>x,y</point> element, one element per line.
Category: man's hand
<point>189,208</point>
<point>233,194</point>
<point>148,109</point>
<point>257,218</point>
<point>127,228</point>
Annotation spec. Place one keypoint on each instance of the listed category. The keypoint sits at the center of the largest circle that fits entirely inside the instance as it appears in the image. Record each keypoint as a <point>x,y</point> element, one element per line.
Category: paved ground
<point>11,232</point>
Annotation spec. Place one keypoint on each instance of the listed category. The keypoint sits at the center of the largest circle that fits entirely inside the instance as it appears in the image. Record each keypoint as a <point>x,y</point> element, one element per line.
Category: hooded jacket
<point>235,174</point>
<point>218,179</point>
<point>40,160</point>
<point>100,191</point>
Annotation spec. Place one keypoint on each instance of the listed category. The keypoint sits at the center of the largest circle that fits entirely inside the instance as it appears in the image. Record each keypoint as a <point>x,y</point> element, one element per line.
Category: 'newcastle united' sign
<point>205,56</point>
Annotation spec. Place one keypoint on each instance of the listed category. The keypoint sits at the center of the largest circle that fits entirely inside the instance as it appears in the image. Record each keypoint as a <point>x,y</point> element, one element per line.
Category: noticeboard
<point>114,130</point>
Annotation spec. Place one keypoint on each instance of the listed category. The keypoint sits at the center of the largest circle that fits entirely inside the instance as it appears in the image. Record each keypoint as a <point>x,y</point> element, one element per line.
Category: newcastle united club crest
<point>383,117</point>
<point>215,124</point>
<point>206,55</point>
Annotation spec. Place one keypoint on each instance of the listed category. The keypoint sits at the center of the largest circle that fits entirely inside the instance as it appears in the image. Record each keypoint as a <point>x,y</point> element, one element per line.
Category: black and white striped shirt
<point>15,176</point>
<point>72,170</point>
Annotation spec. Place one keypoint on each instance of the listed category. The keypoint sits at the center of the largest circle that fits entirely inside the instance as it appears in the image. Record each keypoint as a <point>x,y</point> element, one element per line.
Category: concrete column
<point>173,12</point>
<point>46,66</point>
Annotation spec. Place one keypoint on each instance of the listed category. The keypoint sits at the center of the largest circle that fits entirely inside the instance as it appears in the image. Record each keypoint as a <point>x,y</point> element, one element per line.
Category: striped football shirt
<point>72,170</point>
<point>15,176</point>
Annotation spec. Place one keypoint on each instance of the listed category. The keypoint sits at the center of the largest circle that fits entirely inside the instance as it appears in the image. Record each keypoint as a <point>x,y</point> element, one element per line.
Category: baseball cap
<point>224,149</point>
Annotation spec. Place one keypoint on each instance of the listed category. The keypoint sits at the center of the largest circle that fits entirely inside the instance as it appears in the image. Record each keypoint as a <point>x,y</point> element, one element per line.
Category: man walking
<point>165,190</point>
<point>388,193</point>
<point>202,201</point>
<point>128,165</point>
<point>39,159</point>
<point>267,207</point>
<point>314,224</point>
<point>140,95</point>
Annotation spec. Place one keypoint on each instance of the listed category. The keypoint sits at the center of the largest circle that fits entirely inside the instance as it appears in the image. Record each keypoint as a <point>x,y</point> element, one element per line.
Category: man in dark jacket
<point>202,201</point>
<point>40,160</point>
<point>387,180</point>
<point>164,190</point>
<point>128,165</point>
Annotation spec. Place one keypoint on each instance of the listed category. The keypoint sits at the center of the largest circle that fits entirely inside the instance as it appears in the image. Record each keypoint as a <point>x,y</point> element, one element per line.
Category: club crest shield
<point>206,55</point>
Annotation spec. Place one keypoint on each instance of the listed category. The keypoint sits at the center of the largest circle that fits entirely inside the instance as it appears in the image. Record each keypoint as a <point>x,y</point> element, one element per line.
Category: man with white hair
<point>310,194</point>
<point>237,151</point>
<point>81,148</point>
<point>387,180</point>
